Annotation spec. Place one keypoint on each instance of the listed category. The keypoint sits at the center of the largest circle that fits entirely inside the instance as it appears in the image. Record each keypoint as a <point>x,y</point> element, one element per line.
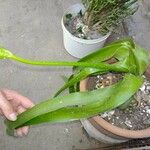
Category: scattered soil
<point>135,113</point>
<point>75,25</point>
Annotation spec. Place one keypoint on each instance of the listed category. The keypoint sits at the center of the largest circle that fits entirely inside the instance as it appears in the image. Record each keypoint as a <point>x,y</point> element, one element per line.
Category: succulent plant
<point>105,15</point>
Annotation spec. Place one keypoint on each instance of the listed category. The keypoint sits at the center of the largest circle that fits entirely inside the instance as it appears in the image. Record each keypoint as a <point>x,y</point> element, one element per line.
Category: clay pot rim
<point>134,134</point>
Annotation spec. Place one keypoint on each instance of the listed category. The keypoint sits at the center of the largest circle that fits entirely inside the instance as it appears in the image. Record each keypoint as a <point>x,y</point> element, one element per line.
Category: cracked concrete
<point>31,28</point>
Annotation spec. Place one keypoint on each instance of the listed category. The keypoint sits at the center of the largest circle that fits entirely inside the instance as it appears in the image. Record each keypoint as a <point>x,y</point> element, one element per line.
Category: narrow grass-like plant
<point>131,60</point>
<point>105,15</point>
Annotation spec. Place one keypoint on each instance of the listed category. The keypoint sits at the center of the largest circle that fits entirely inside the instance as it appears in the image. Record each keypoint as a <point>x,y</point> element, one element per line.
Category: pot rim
<point>80,40</point>
<point>132,134</point>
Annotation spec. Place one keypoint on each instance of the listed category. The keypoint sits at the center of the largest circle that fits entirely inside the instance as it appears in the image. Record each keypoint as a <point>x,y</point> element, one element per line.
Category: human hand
<point>12,104</point>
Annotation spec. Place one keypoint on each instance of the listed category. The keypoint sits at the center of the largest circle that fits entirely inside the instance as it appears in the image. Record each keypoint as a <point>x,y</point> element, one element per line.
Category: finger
<point>6,108</point>
<point>24,130</point>
<point>24,101</point>
<point>19,132</point>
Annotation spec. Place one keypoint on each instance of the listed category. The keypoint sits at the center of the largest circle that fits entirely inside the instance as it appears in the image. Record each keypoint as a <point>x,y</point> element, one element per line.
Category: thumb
<point>7,108</point>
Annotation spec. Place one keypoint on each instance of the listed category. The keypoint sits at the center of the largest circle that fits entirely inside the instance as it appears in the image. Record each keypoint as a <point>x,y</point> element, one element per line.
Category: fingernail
<point>25,130</point>
<point>19,134</point>
<point>12,117</point>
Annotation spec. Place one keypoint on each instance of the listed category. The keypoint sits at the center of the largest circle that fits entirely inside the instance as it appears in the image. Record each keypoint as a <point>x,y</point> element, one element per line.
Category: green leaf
<point>141,58</point>
<point>84,73</point>
<point>78,77</point>
<point>72,99</point>
<point>93,103</point>
<point>119,50</point>
<point>65,79</point>
<point>102,54</point>
<point>131,60</point>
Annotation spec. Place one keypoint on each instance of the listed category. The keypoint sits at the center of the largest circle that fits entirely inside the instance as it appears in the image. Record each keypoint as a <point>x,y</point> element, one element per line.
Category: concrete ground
<point>32,29</point>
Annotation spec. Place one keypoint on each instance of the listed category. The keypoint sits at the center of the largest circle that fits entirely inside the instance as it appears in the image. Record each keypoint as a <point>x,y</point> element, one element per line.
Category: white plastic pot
<point>99,135</point>
<point>78,47</point>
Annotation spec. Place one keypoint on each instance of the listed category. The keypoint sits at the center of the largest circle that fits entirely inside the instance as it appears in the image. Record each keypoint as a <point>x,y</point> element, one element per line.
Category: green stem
<point>99,65</point>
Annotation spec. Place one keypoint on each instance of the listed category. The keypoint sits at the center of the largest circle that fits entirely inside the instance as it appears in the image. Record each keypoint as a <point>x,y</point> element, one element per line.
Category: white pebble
<point>142,88</point>
<point>111,113</point>
<point>148,88</point>
<point>148,111</point>
<point>128,123</point>
<point>104,115</point>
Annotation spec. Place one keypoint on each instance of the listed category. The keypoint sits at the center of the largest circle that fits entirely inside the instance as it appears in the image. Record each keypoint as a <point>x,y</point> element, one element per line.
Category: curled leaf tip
<point>5,53</point>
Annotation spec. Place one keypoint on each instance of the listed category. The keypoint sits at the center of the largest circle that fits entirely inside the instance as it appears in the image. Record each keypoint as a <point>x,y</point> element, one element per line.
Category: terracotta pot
<point>103,131</point>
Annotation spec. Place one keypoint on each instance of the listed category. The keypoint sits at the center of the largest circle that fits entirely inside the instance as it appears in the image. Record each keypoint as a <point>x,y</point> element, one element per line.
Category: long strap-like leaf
<point>89,104</point>
<point>132,60</point>
<point>84,73</point>
<point>74,99</point>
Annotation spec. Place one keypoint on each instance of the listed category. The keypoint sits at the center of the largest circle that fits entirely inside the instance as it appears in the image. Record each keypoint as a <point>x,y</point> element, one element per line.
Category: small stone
<point>142,114</point>
<point>111,113</point>
<point>147,107</point>
<point>107,82</point>
<point>148,102</point>
<point>109,77</point>
<point>98,86</point>
<point>148,111</point>
<point>143,87</point>
<point>104,115</point>
<point>130,111</point>
<point>101,78</point>
<point>148,87</point>
<point>109,118</point>
<point>98,76</point>
<point>108,114</point>
<point>102,86</point>
<point>142,104</point>
<point>128,123</point>
<point>114,77</point>
<point>145,97</point>
<point>135,104</point>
